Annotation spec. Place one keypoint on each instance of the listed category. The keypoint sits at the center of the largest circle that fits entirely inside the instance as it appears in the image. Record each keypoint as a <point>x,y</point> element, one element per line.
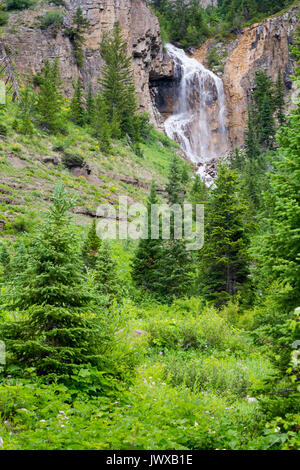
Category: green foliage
<point>3,18</point>
<point>183,21</point>
<point>90,105</point>
<point>279,246</point>
<point>224,260</point>
<point>26,108</point>
<point>77,105</point>
<point>53,18</point>
<point>144,264</point>
<point>106,275</point>
<point>91,246</point>
<point>71,160</point>
<point>62,335</point>
<point>100,123</point>
<point>118,91</point>
<point>76,35</point>
<point>212,57</point>
<point>49,102</point>
<point>18,4</point>
<point>190,24</point>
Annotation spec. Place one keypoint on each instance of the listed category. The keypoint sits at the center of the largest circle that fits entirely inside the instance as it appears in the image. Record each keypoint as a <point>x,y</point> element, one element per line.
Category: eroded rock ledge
<point>30,46</point>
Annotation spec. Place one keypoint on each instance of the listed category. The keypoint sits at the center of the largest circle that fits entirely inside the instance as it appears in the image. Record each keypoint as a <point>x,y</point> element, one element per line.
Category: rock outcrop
<point>29,45</point>
<point>264,45</point>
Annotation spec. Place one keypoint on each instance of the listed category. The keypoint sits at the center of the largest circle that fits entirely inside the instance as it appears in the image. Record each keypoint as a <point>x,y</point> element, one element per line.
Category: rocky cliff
<point>29,45</point>
<point>264,45</point>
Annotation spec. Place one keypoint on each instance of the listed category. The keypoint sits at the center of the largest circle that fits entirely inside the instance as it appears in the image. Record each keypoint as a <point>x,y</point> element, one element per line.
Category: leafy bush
<point>3,129</point>
<point>70,160</point>
<point>18,4</point>
<point>3,18</point>
<point>54,19</point>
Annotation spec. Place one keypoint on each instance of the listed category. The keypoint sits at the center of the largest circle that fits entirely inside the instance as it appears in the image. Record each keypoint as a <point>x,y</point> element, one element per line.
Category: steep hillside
<point>29,45</point>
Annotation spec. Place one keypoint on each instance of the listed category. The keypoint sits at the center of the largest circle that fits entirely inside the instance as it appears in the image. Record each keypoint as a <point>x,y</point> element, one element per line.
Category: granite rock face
<point>265,46</point>
<point>29,45</point>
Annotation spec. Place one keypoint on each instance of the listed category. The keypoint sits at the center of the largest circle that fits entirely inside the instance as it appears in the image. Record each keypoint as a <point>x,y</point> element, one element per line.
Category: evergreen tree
<point>77,104</point>
<point>90,105</point>
<point>263,86</point>
<point>237,159</point>
<point>102,129</point>
<point>224,260</point>
<point>5,260</point>
<point>117,83</point>
<point>61,335</point>
<point>91,246</point>
<point>279,99</point>
<point>266,124</point>
<point>144,265</point>
<point>251,144</point>
<point>279,246</point>
<point>175,263</point>
<point>198,193</point>
<point>49,97</point>
<point>106,276</point>
<point>174,188</point>
<point>76,35</point>
<point>24,123</point>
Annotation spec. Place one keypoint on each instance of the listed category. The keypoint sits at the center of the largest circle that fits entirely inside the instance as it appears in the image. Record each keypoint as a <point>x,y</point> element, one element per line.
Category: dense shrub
<point>19,4</point>
<point>52,18</point>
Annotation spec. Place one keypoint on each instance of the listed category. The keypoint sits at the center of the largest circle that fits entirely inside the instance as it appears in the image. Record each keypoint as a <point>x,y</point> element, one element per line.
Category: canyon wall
<point>29,46</point>
<point>264,45</point>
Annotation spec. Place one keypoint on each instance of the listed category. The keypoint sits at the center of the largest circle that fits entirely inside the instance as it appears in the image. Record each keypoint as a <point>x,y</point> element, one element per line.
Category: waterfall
<point>198,122</point>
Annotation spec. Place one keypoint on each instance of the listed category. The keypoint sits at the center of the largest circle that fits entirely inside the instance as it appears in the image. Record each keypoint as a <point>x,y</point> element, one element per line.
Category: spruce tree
<point>77,104</point>
<point>174,188</point>
<point>198,192</point>
<point>49,102</point>
<point>279,99</point>
<point>175,263</point>
<point>144,264</point>
<point>5,259</point>
<point>117,83</point>
<point>91,246</point>
<point>106,275</point>
<point>90,105</point>
<point>224,260</point>
<point>279,247</point>
<point>266,124</point>
<point>100,124</point>
<point>61,334</point>
<point>251,144</point>
<point>76,35</point>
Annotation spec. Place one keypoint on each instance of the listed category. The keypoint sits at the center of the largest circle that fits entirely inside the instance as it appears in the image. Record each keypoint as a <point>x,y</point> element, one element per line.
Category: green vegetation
<point>53,18</point>
<point>18,4</point>
<point>189,24</point>
<point>76,35</point>
<point>134,345</point>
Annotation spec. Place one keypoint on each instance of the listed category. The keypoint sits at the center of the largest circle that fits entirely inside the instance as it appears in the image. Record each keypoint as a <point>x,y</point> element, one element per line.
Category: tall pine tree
<point>224,260</point>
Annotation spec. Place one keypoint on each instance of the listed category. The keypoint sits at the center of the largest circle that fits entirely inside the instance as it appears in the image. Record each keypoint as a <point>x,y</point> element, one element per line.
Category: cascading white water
<point>198,123</point>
